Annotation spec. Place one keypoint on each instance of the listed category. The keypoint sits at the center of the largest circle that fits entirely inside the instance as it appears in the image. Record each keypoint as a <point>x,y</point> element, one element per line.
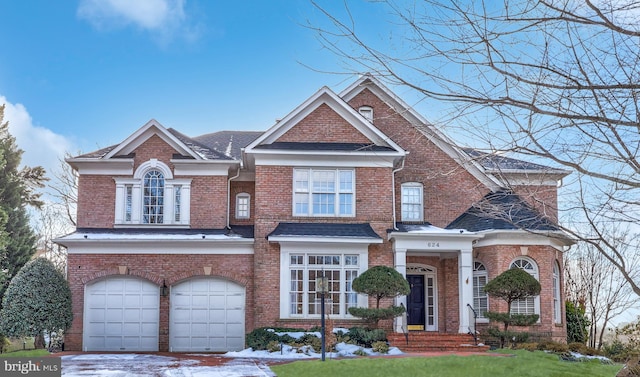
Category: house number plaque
<point>433,244</point>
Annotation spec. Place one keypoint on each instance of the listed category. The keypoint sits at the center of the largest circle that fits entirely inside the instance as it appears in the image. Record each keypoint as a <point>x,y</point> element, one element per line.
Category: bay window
<point>302,269</point>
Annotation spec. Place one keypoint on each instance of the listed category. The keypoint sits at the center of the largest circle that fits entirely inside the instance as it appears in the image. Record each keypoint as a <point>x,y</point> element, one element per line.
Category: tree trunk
<point>38,342</point>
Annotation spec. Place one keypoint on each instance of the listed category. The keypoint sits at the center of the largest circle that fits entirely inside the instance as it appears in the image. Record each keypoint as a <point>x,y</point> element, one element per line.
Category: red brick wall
<point>324,125</point>
<point>498,258</point>
<point>96,201</point>
<point>209,202</point>
<point>173,268</point>
<point>449,189</point>
<point>238,187</point>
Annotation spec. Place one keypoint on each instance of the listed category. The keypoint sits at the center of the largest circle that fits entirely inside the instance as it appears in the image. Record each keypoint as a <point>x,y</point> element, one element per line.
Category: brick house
<point>187,244</point>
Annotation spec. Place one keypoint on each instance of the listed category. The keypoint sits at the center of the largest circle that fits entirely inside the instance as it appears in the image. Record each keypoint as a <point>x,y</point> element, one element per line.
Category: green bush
<point>311,340</point>
<point>527,346</point>
<point>4,343</point>
<point>259,339</point>
<point>274,346</point>
<point>366,337</point>
<point>380,347</point>
<point>360,352</point>
<point>513,338</point>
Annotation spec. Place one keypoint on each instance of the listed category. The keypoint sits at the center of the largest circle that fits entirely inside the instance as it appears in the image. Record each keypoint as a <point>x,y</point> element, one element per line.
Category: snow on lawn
<point>306,352</point>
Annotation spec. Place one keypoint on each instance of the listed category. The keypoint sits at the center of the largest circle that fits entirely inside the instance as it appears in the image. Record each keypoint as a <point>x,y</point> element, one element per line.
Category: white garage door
<point>207,314</point>
<point>121,314</point>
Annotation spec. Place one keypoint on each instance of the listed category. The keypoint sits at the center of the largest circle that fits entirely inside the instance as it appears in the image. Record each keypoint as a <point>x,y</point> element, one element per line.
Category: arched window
<point>153,197</point>
<point>411,200</point>
<point>480,297</point>
<point>529,305</point>
<point>557,311</point>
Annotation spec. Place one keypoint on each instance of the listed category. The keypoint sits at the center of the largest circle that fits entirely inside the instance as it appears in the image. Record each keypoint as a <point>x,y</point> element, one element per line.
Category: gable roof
<point>499,163</point>
<point>328,97</point>
<point>502,210</point>
<point>427,129</point>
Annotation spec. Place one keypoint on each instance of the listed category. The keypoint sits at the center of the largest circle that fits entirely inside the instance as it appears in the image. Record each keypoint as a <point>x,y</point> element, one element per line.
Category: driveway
<point>165,365</point>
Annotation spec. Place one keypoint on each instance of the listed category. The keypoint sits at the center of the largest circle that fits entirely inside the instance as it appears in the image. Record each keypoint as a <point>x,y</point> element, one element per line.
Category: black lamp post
<point>322,286</point>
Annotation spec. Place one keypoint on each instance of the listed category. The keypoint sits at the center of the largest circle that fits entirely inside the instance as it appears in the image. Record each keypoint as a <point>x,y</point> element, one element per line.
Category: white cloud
<point>164,19</point>
<point>41,146</point>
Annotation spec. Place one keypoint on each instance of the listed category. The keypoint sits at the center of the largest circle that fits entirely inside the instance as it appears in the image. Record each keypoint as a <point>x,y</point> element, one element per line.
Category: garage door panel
<point>207,313</point>
<point>121,313</point>
<point>235,301</point>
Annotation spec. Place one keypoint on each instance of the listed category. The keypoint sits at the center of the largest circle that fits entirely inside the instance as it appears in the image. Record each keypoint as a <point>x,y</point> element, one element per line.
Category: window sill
<point>151,226</point>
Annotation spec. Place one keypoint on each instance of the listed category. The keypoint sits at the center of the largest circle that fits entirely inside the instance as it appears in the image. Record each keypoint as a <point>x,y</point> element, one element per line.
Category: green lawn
<point>521,364</point>
<point>27,353</point>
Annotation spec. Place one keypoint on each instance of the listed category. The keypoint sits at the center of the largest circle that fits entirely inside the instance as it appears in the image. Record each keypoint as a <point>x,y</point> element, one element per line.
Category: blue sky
<point>80,75</point>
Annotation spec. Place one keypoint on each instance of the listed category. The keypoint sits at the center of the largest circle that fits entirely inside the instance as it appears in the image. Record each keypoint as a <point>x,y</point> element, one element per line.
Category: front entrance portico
<point>430,241</point>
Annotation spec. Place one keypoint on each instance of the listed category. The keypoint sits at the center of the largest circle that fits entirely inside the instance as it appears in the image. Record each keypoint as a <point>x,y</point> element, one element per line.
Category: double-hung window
<point>304,295</point>
<point>480,297</point>
<point>324,192</point>
<point>412,206</point>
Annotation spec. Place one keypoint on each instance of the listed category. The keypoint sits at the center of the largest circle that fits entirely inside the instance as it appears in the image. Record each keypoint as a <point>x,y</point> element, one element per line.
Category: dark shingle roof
<point>492,161</point>
<point>229,143</point>
<point>203,150</point>
<point>337,147</point>
<point>502,210</point>
<point>324,230</point>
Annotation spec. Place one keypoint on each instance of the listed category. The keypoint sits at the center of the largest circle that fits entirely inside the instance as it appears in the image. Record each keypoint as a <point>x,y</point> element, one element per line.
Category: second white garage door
<point>207,315</point>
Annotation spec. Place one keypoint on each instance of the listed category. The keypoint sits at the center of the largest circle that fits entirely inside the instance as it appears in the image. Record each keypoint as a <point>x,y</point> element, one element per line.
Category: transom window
<point>529,305</point>
<point>480,297</point>
<point>323,192</point>
<point>412,207</point>
<point>152,197</point>
<point>340,269</point>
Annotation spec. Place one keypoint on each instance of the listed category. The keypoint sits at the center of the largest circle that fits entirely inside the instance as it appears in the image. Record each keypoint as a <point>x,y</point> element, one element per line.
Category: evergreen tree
<point>18,187</point>
<point>38,299</point>
<point>380,282</point>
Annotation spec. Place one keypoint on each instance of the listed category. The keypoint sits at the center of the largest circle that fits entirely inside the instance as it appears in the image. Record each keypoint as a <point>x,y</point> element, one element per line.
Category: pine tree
<point>18,187</point>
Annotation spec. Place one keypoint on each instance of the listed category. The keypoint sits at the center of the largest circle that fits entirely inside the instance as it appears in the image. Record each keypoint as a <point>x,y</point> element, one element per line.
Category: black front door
<point>415,303</point>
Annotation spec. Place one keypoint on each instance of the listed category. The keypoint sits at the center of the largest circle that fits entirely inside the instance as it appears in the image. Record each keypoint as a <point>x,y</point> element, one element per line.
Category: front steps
<point>423,341</point>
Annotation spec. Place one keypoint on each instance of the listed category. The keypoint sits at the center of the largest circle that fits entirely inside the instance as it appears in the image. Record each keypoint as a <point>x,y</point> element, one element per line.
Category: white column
<point>465,287</point>
<point>400,264</point>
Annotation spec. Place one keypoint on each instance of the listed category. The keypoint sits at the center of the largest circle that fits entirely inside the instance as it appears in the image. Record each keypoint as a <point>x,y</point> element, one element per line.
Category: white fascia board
<point>327,244</point>
<point>434,135</point>
<point>333,159</point>
<point>152,127</point>
<point>153,246</point>
<point>200,168</point>
<point>556,239</point>
<point>328,97</point>
<point>92,166</point>
<point>434,242</point>
<point>529,177</point>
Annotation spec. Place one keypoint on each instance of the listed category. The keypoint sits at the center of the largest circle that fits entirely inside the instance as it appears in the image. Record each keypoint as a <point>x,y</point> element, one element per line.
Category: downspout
<point>393,191</point>
<point>229,197</point>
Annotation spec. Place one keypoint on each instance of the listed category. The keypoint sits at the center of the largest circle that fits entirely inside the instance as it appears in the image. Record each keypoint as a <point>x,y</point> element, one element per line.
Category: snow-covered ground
<point>231,364</point>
